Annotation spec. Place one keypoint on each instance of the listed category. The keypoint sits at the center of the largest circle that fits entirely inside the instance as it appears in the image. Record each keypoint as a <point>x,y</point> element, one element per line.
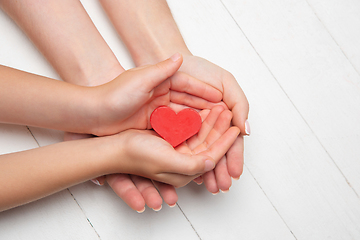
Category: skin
<point>156,38</point>
<point>33,174</point>
<point>96,110</point>
<point>85,59</point>
<point>81,56</point>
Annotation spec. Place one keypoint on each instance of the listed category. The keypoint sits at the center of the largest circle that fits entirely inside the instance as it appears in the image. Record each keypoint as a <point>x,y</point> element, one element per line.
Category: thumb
<point>154,75</point>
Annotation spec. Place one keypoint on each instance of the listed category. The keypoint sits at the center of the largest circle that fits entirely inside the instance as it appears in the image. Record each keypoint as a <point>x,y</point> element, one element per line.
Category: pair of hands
<point>132,97</point>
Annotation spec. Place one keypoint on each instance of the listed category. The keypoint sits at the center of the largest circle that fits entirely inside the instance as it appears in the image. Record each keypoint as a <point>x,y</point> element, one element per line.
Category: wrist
<point>160,51</point>
<point>147,28</point>
<point>104,71</point>
<point>89,110</point>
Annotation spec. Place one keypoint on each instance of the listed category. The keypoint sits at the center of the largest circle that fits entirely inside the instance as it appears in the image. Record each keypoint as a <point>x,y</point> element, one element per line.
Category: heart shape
<point>175,128</point>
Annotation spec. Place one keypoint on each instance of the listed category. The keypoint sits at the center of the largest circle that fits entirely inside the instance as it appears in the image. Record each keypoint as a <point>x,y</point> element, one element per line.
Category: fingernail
<point>141,211</point>
<point>224,191</point>
<point>95,181</point>
<point>158,209</point>
<point>247,127</point>
<point>172,205</point>
<point>209,165</point>
<point>198,180</point>
<point>175,57</point>
<point>236,178</point>
<point>215,193</point>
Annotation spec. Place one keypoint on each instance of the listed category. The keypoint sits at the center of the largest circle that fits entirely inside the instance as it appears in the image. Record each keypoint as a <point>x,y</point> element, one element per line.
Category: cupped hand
<point>128,101</point>
<point>146,154</point>
<point>211,142</point>
<point>179,88</point>
<point>231,165</point>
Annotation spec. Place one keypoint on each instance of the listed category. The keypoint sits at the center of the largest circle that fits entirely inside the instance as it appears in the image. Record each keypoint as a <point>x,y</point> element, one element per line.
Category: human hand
<point>139,158</point>
<point>128,101</point>
<point>179,88</point>
<point>213,138</point>
<point>231,165</point>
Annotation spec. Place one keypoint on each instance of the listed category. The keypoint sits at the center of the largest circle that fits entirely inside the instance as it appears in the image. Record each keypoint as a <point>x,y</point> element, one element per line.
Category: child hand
<point>165,164</point>
<point>128,101</point>
<point>212,140</point>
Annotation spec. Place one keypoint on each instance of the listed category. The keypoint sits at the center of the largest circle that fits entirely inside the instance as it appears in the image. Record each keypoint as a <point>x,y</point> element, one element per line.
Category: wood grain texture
<point>321,84</point>
<point>341,18</point>
<point>298,63</point>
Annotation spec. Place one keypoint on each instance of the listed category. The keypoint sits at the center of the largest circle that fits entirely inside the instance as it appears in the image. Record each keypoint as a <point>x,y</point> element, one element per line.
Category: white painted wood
<point>46,137</point>
<point>271,225</point>
<point>54,217</point>
<point>303,94</point>
<point>284,154</point>
<point>14,138</point>
<point>322,85</point>
<point>341,18</point>
<point>113,219</point>
<point>242,213</point>
<point>17,51</point>
<point>106,29</point>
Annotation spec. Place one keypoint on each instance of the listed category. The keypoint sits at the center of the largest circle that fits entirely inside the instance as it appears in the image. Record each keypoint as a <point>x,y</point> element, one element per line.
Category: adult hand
<point>231,165</point>
<point>213,140</point>
<point>128,101</point>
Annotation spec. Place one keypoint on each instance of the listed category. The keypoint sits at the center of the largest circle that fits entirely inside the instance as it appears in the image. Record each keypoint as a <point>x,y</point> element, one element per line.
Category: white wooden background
<point>298,62</point>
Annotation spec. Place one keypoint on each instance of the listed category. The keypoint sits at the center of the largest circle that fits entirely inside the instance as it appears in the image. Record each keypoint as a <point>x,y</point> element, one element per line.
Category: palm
<point>204,70</point>
<point>129,103</point>
<point>236,101</point>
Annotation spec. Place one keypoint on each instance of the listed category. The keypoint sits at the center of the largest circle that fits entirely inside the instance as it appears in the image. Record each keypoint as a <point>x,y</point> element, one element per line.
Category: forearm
<point>67,37</point>
<point>29,175</point>
<point>29,99</point>
<point>147,29</point>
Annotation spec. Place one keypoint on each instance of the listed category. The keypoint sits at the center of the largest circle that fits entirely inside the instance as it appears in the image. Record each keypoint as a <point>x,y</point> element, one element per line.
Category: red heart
<point>175,128</point>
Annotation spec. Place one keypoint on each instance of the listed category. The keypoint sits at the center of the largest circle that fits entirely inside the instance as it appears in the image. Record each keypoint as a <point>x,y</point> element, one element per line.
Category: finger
<point>221,125</point>
<point>236,100</point>
<point>148,191</point>
<point>183,148</point>
<point>154,75</point>
<point>176,180</point>
<point>167,192</point>
<point>124,187</point>
<point>190,100</point>
<point>210,182</point>
<point>206,128</point>
<point>235,158</point>
<point>203,112</point>
<point>100,181</point>
<point>187,164</point>
<point>218,149</point>
<point>199,180</point>
<point>223,178</point>
<point>182,82</point>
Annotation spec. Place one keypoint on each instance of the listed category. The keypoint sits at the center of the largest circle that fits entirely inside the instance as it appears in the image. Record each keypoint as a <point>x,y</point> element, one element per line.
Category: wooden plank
<point>323,87</point>
<point>113,219</point>
<point>311,65</point>
<point>106,29</point>
<point>17,51</point>
<point>243,213</point>
<point>54,217</point>
<point>283,154</point>
<point>14,138</point>
<point>46,218</point>
<point>341,18</point>
<point>110,216</point>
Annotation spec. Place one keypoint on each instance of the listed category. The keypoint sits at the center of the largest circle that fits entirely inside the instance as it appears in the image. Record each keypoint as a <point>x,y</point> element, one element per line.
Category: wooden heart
<point>175,128</point>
